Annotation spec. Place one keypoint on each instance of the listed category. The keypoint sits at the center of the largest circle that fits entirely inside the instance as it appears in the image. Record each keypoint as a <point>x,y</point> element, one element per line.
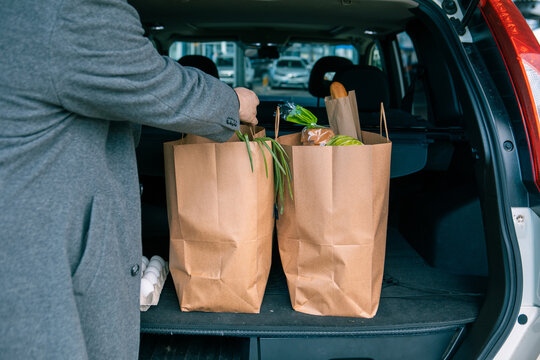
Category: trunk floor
<point>415,298</point>
<point>191,347</point>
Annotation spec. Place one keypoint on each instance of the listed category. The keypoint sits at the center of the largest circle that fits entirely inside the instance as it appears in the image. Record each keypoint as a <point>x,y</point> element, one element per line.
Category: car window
<point>286,76</point>
<point>408,57</point>
<point>414,96</point>
<point>224,54</point>
<point>289,75</point>
<point>374,58</point>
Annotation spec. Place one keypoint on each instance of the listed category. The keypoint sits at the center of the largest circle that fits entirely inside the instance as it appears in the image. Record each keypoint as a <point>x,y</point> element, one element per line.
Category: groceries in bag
<point>312,133</point>
<point>332,237</point>
<point>220,205</point>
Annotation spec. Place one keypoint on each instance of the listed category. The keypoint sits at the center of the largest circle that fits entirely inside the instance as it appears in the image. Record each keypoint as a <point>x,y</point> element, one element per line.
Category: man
<point>77,78</point>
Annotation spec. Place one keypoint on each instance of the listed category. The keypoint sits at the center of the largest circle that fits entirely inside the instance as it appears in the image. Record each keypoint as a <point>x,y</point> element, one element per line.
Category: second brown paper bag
<point>332,235</point>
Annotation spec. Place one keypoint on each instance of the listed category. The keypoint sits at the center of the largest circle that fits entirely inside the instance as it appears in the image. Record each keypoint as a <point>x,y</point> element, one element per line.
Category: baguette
<point>337,90</point>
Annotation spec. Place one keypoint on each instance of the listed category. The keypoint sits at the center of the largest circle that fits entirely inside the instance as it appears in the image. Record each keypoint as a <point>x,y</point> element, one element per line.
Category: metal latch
<point>450,7</point>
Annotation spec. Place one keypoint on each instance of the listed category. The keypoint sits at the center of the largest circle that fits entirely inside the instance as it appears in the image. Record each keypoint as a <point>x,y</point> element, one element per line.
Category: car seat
<point>409,141</point>
<point>318,85</point>
<point>200,62</point>
<point>371,87</point>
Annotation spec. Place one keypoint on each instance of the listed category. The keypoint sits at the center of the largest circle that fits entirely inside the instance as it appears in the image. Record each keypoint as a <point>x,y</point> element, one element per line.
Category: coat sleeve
<point>103,67</point>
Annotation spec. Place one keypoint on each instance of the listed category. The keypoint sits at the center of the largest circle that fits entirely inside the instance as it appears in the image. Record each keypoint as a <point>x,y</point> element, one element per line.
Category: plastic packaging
<point>312,134</point>
<point>317,136</point>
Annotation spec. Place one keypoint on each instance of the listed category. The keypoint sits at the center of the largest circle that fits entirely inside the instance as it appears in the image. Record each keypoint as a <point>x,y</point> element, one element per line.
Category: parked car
<point>462,265</point>
<point>225,65</point>
<point>308,65</point>
<point>261,67</point>
<point>289,72</point>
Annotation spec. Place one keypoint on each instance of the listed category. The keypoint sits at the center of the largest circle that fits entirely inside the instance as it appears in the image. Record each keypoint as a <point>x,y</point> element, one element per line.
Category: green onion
<point>281,165</point>
<point>264,158</point>
<point>245,139</point>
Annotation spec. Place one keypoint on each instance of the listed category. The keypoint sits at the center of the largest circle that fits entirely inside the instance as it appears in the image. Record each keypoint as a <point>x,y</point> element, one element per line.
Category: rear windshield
<point>259,73</point>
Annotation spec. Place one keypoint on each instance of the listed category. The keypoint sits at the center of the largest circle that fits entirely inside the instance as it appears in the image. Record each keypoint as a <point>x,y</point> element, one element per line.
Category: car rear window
<point>258,71</point>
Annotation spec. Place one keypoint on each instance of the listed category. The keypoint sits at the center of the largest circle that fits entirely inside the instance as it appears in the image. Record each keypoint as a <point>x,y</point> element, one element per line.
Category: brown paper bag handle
<point>383,118</point>
<point>276,124</point>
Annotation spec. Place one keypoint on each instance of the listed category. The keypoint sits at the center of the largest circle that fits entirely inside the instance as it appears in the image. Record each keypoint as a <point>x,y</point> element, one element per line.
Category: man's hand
<point>248,105</point>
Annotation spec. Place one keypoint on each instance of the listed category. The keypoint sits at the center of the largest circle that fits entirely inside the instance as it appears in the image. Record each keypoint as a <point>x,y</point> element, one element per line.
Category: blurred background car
<point>308,65</point>
<point>289,72</point>
<point>225,65</point>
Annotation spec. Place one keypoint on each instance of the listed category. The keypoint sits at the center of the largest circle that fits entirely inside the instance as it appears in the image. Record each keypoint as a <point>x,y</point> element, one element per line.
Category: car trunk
<point>436,275</point>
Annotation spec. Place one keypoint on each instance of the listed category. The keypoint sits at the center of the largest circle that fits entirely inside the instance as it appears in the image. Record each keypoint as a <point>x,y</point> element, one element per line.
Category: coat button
<point>135,270</point>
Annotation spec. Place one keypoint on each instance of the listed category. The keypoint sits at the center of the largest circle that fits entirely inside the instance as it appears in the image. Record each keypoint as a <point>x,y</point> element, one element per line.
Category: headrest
<point>200,62</point>
<point>318,86</point>
<point>369,83</point>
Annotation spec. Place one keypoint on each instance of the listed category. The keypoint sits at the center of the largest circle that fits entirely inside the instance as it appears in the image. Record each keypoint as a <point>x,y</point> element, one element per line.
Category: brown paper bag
<point>332,236</point>
<point>221,223</point>
<point>343,115</point>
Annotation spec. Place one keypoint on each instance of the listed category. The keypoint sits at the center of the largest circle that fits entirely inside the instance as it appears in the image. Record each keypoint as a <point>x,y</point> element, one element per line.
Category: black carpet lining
<point>415,298</point>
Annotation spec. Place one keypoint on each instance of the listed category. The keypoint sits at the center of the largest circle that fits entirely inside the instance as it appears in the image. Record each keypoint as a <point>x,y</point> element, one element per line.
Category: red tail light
<point>521,53</point>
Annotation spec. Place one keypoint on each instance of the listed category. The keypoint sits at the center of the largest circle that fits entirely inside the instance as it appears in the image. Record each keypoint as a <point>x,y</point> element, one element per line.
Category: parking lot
<point>267,90</point>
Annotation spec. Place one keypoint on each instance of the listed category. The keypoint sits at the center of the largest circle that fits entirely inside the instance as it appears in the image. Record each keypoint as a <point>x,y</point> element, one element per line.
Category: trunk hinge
<point>450,7</point>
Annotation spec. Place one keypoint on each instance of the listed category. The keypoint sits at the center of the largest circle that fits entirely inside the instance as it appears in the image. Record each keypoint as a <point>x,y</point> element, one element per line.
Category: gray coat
<point>75,75</point>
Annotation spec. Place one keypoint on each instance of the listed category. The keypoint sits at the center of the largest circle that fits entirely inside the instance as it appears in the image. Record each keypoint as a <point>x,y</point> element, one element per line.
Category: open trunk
<point>447,213</point>
<point>433,287</point>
